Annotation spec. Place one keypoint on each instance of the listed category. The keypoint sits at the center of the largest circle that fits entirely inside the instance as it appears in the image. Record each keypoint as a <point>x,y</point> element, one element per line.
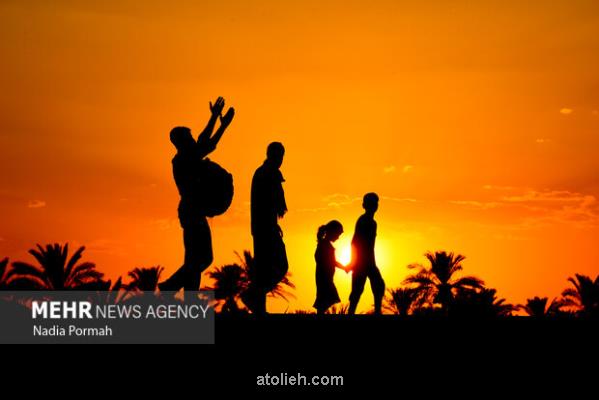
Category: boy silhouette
<point>363,262</point>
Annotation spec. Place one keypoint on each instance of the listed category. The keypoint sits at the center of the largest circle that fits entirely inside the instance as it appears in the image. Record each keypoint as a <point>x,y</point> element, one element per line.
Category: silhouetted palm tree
<point>480,303</point>
<point>436,284</point>
<point>401,300</point>
<point>584,297</point>
<point>110,294</point>
<point>537,307</point>
<point>229,282</point>
<point>282,290</point>
<point>55,271</point>
<point>144,279</point>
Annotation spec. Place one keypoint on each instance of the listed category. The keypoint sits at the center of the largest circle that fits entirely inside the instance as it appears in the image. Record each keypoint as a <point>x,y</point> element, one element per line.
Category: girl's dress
<point>326,292</point>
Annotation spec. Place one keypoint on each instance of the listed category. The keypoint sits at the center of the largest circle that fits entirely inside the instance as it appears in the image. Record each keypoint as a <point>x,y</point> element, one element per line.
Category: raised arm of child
<point>216,110</point>
<point>224,124</point>
<point>204,141</point>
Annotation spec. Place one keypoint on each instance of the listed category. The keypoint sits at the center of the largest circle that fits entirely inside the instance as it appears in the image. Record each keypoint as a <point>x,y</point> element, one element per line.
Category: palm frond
<point>535,307</point>
<point>3,265</point>
<point>144,279</point>
<point>74,259</point>
<point>401,300</point>
<point>282,290</point>
<point>24,270</point>
<point>82,269</point>
<point>469,282</point>
<point>420,279</point>
<point>571,293</point>
<point>19,282</point>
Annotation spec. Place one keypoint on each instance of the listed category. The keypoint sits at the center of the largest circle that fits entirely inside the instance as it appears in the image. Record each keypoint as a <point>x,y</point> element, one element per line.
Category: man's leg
<point>358,281</point>
<point>260,277</point>
<point>198,253</point>
<point>174,282</point>
<point>177,280</point>
<point>198,256</point>
<point>254,296</point>
<point>377,284</point>
<point>260,303</point>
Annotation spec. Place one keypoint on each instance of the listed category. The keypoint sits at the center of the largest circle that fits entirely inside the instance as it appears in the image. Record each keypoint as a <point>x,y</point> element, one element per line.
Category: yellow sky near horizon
<point>477,124</point>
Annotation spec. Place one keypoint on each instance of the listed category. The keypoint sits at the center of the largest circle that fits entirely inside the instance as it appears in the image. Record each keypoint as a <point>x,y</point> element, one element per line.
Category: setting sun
<point>344,254</point>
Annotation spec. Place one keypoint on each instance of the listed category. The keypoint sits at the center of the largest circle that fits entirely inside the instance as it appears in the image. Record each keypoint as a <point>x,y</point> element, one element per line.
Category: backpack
<point>216,188</point>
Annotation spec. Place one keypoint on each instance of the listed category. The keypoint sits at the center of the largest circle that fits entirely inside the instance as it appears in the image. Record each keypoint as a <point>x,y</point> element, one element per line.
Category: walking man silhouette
<point>186,171</point>
<point>267,207</point>
<point>363,262</point>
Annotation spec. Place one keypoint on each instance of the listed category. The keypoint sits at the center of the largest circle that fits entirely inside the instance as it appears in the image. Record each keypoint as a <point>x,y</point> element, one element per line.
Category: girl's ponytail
<point>321,232</point>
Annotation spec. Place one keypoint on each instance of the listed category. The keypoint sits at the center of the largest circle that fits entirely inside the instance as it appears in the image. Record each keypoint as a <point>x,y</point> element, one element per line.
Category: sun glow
<point>344,254</point>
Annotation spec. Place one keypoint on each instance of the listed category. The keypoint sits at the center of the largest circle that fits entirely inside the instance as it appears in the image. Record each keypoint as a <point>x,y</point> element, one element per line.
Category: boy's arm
<point>345,268</point>
<point>216,110</point>
<point>224,124</point>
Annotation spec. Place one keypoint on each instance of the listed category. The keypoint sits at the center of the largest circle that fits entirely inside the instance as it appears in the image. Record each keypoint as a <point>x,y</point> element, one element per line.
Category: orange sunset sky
<point>477,124</point>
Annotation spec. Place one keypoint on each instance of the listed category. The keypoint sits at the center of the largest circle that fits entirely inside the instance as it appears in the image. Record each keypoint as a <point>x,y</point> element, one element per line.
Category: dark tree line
<point>437,288</point>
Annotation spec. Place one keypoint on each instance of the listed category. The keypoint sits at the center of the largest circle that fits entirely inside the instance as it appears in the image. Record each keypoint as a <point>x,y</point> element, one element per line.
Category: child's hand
<point>217,107</point>
<point>226,120</point>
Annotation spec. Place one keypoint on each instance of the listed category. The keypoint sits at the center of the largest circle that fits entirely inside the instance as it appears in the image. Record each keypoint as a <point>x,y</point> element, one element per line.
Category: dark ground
<point>393,352</point>
<point>385,356</point>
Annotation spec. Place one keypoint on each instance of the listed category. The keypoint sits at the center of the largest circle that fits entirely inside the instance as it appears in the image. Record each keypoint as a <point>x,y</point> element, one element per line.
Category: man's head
<point>275,153</point>
<point>182,139</point>
<point>371,202</point>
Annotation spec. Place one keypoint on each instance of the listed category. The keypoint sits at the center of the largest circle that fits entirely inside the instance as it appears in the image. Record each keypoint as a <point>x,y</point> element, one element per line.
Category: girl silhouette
<point>326,292</point>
